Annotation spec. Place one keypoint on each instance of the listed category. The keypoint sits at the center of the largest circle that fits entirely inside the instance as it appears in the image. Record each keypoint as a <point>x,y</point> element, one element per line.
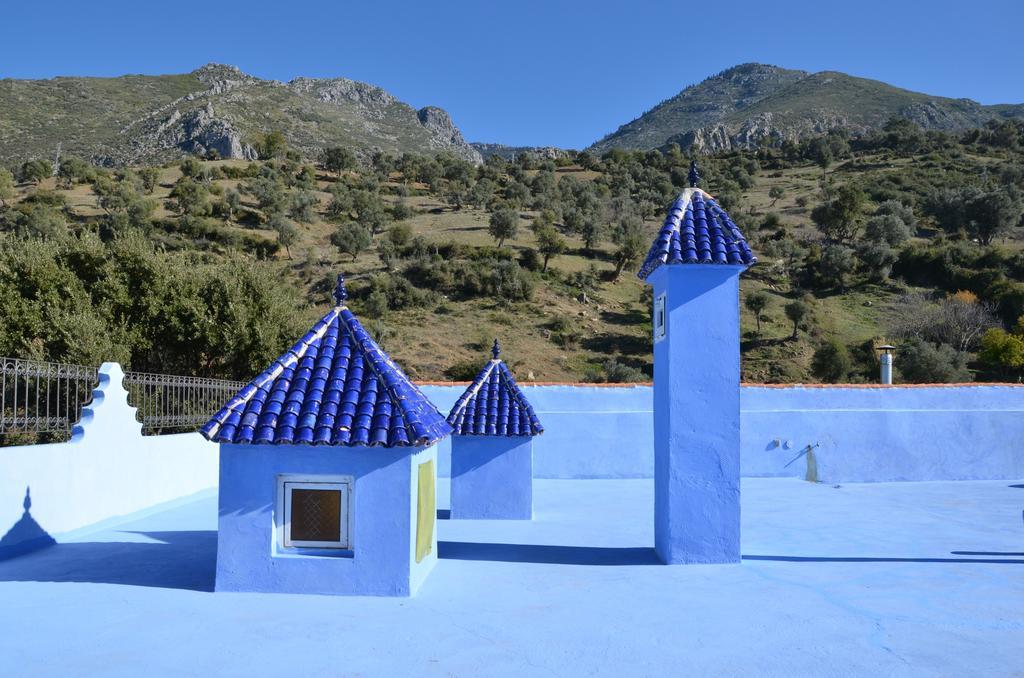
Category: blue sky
<point>531,73</point>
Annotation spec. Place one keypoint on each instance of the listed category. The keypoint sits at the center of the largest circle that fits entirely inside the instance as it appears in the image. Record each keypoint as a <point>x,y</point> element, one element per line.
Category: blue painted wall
<point>492,477</point>
<point>697,415</point>
<point>856,434</point>
<point>868,434</point>
<point>383,525</point>
<point>589,431</point>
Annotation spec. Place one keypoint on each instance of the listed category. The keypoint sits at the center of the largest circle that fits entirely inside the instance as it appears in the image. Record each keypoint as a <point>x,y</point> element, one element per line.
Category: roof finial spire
<point>496,349</point>
<point>340,293</point>
<point>694,174</point>
<point>28,500</point>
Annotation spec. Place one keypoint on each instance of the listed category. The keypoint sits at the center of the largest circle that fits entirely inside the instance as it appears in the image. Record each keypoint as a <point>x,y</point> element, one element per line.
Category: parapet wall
<point>107,469</point>
<point>876,434</point>
<point>830,433</point>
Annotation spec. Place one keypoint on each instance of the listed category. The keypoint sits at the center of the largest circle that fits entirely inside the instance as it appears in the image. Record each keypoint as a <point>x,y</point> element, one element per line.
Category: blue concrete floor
<point>878,579</point>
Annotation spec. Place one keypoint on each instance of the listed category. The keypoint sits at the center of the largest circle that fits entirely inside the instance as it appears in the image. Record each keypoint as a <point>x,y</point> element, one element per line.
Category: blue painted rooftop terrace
<point>871,579</point>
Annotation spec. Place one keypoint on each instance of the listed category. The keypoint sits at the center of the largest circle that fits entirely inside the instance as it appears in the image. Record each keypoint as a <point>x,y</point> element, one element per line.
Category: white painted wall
<point>107,469</point>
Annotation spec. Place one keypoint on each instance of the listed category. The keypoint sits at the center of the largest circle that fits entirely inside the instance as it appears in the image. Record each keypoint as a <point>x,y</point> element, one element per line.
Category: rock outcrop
<point>752,104</point>
<point>444,134</point>
<point>141,119</point>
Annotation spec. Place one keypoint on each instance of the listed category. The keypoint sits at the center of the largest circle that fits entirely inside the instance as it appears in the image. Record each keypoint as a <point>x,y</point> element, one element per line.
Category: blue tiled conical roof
<point>697,231</point>
<point>493,405</point>
<point>335,386</point>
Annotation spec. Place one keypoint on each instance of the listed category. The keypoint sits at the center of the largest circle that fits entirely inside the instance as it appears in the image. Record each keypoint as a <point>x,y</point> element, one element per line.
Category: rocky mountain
<point>512,152</point>
<point>746,104</point>
<point>138,118</point>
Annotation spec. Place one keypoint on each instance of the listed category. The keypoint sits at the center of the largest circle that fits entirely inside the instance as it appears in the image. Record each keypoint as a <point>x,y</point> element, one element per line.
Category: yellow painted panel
<point>426,510</point>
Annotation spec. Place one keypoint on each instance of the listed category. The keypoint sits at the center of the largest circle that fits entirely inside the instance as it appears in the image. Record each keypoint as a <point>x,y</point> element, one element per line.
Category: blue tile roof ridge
<point>494,405</point>
<point>335,386</point>
<point>697,231</point>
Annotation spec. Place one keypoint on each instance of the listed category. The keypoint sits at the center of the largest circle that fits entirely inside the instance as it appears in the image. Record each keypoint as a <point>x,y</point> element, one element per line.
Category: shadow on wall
<point>178,560</point>
<point>26,535</point>
<point>547,554</point>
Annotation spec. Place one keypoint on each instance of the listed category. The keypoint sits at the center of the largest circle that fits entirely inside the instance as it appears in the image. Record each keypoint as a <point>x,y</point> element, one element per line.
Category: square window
<point>316,511</point>
<point>659,318</point>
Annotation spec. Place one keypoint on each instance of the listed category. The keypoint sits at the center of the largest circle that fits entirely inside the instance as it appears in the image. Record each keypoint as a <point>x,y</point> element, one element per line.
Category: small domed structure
<point>492,446</point>
<point>313,453</point>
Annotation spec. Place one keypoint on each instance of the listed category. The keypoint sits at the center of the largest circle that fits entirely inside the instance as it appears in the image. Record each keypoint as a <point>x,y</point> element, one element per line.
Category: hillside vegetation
<point>214,267</point>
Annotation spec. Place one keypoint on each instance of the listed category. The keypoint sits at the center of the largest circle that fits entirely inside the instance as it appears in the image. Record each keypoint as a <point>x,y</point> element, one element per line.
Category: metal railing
<point>43,399</point>
<point>168,402</point>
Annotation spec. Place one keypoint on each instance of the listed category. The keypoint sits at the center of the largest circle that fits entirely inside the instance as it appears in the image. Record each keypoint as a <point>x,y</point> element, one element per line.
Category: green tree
<point>400,235</point>
<point>592,233</point>
<point>272,145</point>
<point>270,194</point>
<point>887,229</point>
<point>756,303</point>
<point>1002,351</point>
<point>838,218</point>
<point>303,206</point>
<point>43,221</point>
<point>831,361</point>
<point>6,186</point>
<point>631,246</point>
<point>370,210</point>
<point>401,211</point>
<point>878,258</point>
<point>796,311</point>
<point>233,203</point>
<point>306,178</point>
<point>190,198</point>
<point>74,170</point>
<point>993,213</point>
<point>36,170</point>
<point>922,362</point>
<point>504,224</point>
<point>903,212</point>
<point>149,177</point>
<point>341,200</point>
<point>287,234</point>
<point>191,167</point>
<point>338,159</point>
<point>776,193</point>
<point>550,244</point>
<point>837,262</point>
<point>351,238</point>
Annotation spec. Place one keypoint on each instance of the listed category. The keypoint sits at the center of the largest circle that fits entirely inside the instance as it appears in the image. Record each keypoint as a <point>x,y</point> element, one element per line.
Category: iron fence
<point>42,399</point>
<point>167,403</point>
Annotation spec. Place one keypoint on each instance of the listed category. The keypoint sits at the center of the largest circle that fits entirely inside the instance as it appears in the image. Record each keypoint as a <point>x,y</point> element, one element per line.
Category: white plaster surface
<point>107,469</point>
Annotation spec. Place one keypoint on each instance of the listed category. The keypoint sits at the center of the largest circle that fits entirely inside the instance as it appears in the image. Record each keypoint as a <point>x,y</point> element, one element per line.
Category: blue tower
<point>492,446</point>
<point>694,266</point>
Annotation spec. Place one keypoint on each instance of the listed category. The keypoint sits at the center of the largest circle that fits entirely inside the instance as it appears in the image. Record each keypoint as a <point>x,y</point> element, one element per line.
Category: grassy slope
<point>614,322</point>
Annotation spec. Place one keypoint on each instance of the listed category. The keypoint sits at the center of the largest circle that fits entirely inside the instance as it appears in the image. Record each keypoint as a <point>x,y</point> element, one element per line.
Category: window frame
<point>660,328</point>
<point>344,484</point>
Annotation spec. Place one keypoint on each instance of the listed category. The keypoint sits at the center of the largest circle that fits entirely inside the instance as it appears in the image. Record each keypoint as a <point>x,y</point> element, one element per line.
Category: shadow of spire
<point>26,535</point>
